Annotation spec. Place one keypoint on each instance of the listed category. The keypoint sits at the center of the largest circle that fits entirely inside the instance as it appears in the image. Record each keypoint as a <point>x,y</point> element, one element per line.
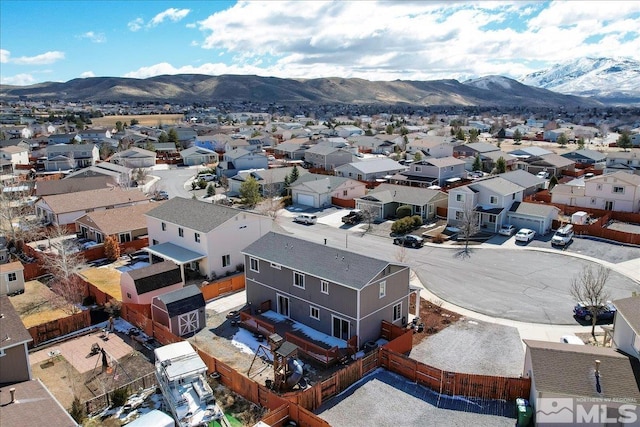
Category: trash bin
<point>524,412</point>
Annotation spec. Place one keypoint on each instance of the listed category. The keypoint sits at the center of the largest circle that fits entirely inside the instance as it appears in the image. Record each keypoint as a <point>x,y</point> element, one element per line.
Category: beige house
<point>11,278</point>
<point>318,190</point>
<point>127,223</point>
<point>618,191</point>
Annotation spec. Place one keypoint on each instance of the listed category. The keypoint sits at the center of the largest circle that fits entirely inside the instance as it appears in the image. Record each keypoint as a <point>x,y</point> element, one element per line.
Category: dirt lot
<point>144,120</point>
<point>35,306</point>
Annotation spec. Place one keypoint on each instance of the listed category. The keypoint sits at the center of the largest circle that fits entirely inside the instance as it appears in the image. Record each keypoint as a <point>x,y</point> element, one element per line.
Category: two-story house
<point>432,146</point>
<point>238,160</point>
<point>126,223</point>
<point>371,144</point>
<point>335,291</point>
<point>63,157</point>
<point>618,191</point>
<point>431,171</point>
<point>135,157</point>
<point>586,157</point>
<point>15,154</point>
<point>490,198</point>
<point>203,237</point>
<point>626,326</point>
<point>327,157</point>
<point>624,161</point>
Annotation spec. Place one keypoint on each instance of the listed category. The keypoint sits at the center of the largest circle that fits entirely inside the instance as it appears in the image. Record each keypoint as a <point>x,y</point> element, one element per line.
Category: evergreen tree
<point>624,141</point>
<point>562,140</point>
<point>294,175</point>
<point>250,191</point>
<point>477,163</point>
<point>581,143</point>
<point>417,156</point>
<point>211,191</point>
<point>460,135</point>
<point>501,165</point>
<point>517,135</point>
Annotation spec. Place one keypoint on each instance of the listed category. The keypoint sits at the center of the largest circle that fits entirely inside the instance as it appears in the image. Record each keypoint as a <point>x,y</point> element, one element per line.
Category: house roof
<point>236,153</point>
<point>11,325</point>
<point>323,149</point>
<point>10,267</point>
<point>594,155</point>
<point>119,220</point>
<point>61,186</point>
<point>629,178</point>
<point>533,209</point>
<point>175,253</point>
<point>554,160</point>
<point>270,176</point>
<point>495,155</point>
<point>530,152</point>
<point>113,167</point>
<point>480,147</point>
<point>195,150</point>
<point>194,214</point>
<point>183,300</point>
<point>629,308</point>
<point>404,194</point>
<point>13,149</point>
<point>442,162</point>
<point>336,265</point>
<point>569,370</point>
<point>34,406</point>
<point>135,153</point>
<point>92,199</point>
<point>497,185</point>
<point>377,164</point>
<point>155,276</point>
<point>429,141</point>
<point>70,148</point>
<point>93,171</point>
<point>522,178</point>
<point>320,184</point>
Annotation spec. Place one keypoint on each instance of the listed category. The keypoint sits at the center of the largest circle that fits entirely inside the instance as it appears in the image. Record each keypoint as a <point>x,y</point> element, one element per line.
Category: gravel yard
<point>384,398</point>
<point>473,347</point>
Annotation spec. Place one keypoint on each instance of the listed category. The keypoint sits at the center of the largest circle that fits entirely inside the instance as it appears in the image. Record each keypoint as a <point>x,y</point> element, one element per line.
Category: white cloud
<point>93,37</point>
<point>4,56</point>
<point>43,58</point>
<point>18,80</point>
<point>87,74</point>
<point>136,24</point>
<point>171,14</point>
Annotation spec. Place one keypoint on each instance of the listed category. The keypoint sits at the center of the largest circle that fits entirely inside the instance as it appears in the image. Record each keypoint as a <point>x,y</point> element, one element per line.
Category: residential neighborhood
<point>132,244</point>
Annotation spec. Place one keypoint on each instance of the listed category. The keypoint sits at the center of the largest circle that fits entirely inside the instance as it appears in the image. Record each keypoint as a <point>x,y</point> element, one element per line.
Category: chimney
<point>597,367</point>
<point>12,393</point>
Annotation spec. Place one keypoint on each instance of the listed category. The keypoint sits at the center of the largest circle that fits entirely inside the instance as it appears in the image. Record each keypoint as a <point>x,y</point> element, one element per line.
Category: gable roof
<point>626,177</point>
<point>497,185</point>
<point>155,276</point>
<point>404,194</point>
<point>594,155</point>
<point>34,406</point>
<point>530,152</point>
<point>629,308</point>
<point>183,300</point>
<point>324,149</point>
<point>62,186</point>
<point>195,214</point>
<point>377,164</point>
<point>441,162</point>
<point>321,184</point>
<point>11,267</point>
<point>533,209</point>
<point>196,150</point>
<point>569,370</point>
<point>480,147</point>
<point>135,153</point>
<point>11,325</point>
<point>92,199</point>
<point>336,265</point>
<point>270,176</point>
<point>555,160</point>
<point>522,178</point>
<point>119,220</point>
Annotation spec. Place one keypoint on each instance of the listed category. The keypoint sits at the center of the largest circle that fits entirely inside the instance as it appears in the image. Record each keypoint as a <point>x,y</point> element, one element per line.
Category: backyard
<point>38,304</point>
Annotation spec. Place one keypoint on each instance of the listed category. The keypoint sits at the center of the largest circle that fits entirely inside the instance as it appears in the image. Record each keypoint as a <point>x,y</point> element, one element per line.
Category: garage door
<point>305,199</point>
<point>533,224</point>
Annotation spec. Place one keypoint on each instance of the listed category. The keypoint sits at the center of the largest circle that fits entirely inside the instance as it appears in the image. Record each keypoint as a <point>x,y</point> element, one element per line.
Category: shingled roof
<point>11,325</point>
<point>182,300</point>
<point>85,200</point>
<point>155,276</point>
<point>336,265</point>
<point>119,220</point>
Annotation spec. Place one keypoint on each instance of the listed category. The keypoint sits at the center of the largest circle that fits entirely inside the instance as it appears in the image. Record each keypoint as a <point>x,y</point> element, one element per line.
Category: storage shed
<point>182,311</point>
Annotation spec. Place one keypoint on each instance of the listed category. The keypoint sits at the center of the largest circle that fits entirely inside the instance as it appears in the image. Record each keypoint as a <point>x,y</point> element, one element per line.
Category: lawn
<point>144,120</point>
<point>105,279</point>
<point>35,305</point>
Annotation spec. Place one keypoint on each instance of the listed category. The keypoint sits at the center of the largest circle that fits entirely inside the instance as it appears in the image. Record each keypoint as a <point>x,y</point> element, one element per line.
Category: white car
<point>525,235</point>
<point>507,230</point>
<point>543,175</point>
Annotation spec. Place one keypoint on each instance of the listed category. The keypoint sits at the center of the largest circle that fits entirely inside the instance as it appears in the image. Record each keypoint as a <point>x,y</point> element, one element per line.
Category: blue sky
<point>47,40</point>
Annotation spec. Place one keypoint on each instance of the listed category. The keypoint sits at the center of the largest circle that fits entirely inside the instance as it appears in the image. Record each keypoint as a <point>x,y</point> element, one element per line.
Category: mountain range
<point>583,83</point>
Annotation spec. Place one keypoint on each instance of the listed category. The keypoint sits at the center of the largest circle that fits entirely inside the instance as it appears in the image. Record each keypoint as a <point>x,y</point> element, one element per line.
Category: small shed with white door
<point>182,311</point>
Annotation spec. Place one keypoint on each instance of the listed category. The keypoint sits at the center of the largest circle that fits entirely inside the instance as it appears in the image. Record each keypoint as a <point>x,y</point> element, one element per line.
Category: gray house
<point>431,171</point>
<point>240,159</point>
<point>271,181</point>
<point>182,311</point>
<point>371,169</point>
<point>327,157</point>
<point>70,156</point>
<point>198,156</point>
<point>383,201</point>
<point>337,292</point>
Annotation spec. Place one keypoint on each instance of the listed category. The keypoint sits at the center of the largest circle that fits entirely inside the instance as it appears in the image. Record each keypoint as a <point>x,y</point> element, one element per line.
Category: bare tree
<point>64,261</point>
<point>369,213</point>
<point>272,203</point>
<point>588,288</point>
<point>468,225</point>
<point>17,221</point>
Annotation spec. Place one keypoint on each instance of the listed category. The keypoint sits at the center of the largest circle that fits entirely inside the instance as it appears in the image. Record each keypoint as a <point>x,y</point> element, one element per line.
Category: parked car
<point>525,235</point>
<point>562,236</point>
<point>207,177</point>
<point>353,217</point>
<point>306,219</point>
<point>507,230</point>
<point>161,195</point>
<point>571,339</point>
<point>409,240</point>
<point>605,311</point>
<point>543,174</point>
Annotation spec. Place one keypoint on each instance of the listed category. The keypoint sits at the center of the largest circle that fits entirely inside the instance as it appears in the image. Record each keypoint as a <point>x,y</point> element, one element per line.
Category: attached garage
<point>534,216</point>
<point>306,200</point>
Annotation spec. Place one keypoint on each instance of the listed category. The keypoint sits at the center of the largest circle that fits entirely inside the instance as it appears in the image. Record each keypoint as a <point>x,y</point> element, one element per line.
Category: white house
<point>618,191</point>
<point>203,237</point>
<point>135,157</point>
<point>626,326</point>
<point>432,146</point>
<point>317,190</point>
<point>626,161</point>
<point>198,156</point>
<point>370,169</point>
<point>15,154</point>
<point>70,156</point>
<point>240,159</point>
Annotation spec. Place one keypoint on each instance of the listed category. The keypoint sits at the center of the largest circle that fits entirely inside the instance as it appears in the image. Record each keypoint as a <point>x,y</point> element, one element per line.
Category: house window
<point>197,237</point>
<point>226,260</point>
<point>397,312</point>
<point>164,226</point>
<point>599,187</point>
<point>418,168</point>
<point>451,168</point>
<point>314,312</point>
<point>345,192</point>
<point>324,287</point>
<point>459,215</point>
<point>298,280</point>
<point>492,219</point>
<point>180,231</point>
<point>382,291</point>
<point>619,190</point>
<point>128,295</point>
<point>124,237</point>
<point>493,200</point>
<point>459,198</point>
<point>154,242</point>
<point>593,200</point>
<point>253,265</point>
<point>11,277</point>
<point>99,238</point>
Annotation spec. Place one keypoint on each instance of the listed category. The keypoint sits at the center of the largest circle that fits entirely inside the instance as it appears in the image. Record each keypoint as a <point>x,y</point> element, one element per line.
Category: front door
<point>188,323</point>
<point>283,305</point>
<point>608,205</point>
<point>340,328</point>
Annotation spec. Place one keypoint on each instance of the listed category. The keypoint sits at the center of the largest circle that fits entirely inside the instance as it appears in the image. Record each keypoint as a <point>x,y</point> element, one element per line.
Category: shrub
<point>111,248</point>
<point>202,184</point>
<point>210,190</point>
<point>194,185</point>
<point>287,201</point>
<point>417,221</point>
<point>119,396</point>
<point>440,238</point>
<point>402,225</point>
<point>77,411</point>
<point>403,211</point>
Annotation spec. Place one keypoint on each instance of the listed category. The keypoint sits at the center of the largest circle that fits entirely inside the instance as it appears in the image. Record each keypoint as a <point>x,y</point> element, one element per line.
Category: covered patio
<point>177,254</point>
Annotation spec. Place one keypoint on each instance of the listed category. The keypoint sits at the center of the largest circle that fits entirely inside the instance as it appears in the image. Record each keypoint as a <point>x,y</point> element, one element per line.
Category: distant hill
<point>492,91</point>
<point>609,80</point>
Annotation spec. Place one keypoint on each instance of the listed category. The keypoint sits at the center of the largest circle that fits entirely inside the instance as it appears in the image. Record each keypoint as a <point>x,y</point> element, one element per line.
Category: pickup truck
<point>353,217</point>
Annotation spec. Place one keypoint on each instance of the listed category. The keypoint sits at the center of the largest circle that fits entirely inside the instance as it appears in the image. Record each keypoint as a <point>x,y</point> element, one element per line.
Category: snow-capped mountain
<point>601,78</point>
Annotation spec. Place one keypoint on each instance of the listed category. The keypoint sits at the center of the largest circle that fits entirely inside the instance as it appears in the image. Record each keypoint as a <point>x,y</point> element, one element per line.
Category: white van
<point>563,235</point>
<point>306,219</point>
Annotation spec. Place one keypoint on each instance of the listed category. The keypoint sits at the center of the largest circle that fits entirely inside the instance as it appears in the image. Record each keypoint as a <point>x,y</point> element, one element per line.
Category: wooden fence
<point>102,401</point>
<point>59,327</point>
<point>223,286</point>
<point>455,383</point>
<point>326,356</point>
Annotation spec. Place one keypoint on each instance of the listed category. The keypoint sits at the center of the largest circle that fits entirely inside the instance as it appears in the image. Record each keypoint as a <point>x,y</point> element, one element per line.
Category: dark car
<point>409,240</point>
<point>605,312</point>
